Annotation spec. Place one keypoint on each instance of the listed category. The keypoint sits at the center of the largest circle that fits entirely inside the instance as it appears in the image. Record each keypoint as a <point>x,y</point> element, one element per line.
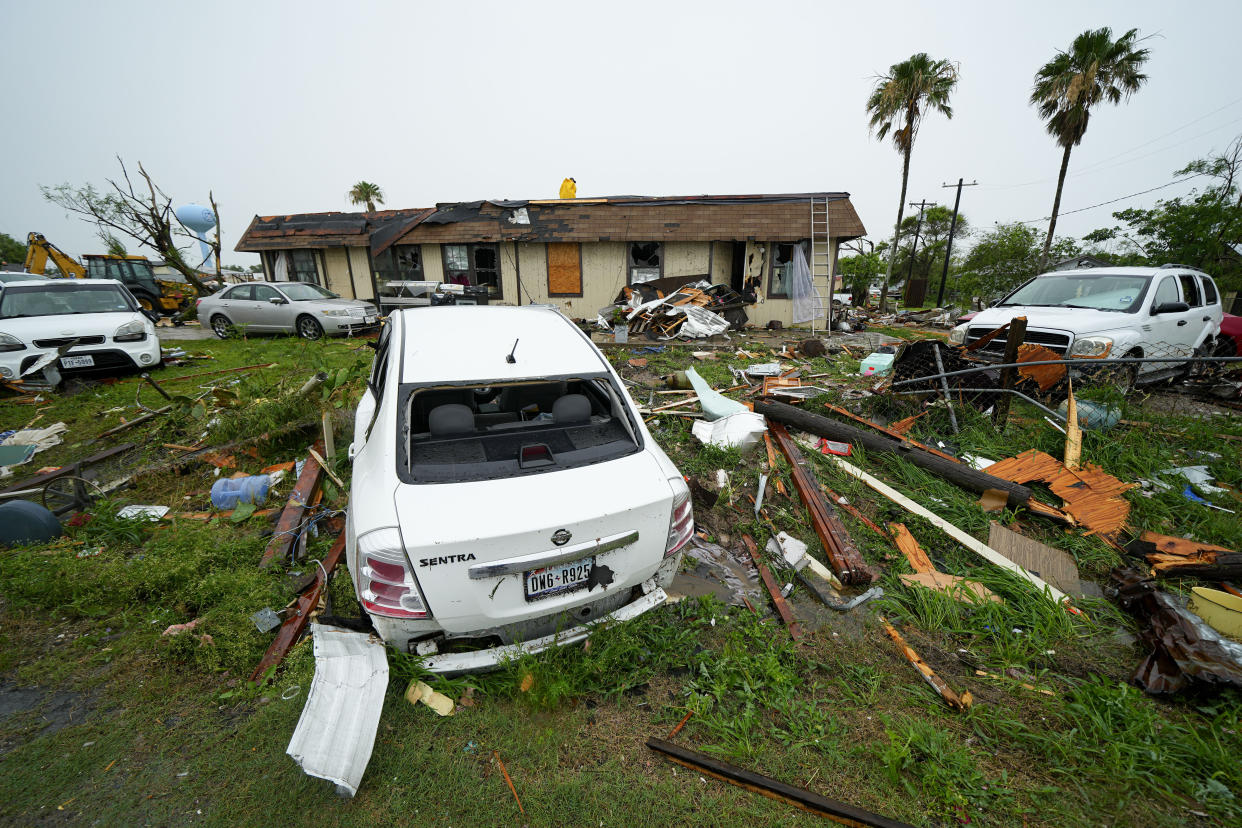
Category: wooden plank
<point>295,508</point>
<point>1053,565</point>
<point>564,269</point>
<point>295,624</point>
<point>782,608</point>
<point>909,547</point>
<point>838,812</point>
<point>843,554</point>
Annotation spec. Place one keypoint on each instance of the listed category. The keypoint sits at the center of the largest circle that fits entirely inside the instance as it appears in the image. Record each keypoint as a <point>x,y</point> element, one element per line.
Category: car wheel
<point>308,328</point>
<point>221,326</point>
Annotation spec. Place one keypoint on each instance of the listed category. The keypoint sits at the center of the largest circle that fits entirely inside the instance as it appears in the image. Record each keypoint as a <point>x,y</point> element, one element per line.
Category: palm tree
<point>364,192</point>
<point>1096,68</point>
<point>897,105</point>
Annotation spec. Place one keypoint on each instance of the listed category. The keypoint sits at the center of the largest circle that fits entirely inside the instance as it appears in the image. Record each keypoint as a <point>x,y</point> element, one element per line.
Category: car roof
<point>46,282</point>
<point>1122,271</point>
<point>469,343</point>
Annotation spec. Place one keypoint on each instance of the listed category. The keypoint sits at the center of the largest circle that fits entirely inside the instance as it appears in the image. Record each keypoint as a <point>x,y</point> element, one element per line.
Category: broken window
<point>645,261</point>
<point>1190,290</point>
<point>1209,291</point>
<point>396,267</point>
<point>782,269</point>
<point>302,266</point>
<point>463,433</point>
<point>473,264</point>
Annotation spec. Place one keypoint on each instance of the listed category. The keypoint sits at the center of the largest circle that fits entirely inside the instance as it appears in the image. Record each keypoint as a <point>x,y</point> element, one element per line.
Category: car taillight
<point>385,584</point>
<point>681,525</point>
<point>198,301</point>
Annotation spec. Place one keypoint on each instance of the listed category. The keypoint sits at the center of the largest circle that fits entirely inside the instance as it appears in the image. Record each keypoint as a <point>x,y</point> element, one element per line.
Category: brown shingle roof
<point>780,217</point>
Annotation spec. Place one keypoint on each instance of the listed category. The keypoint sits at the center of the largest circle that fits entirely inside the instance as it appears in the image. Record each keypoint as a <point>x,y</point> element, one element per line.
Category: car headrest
<point>453,418</point>
<point>571,409</point>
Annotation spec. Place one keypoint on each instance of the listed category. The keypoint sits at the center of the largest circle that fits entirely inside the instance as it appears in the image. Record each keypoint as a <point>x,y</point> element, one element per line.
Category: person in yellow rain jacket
<point>569,188</point>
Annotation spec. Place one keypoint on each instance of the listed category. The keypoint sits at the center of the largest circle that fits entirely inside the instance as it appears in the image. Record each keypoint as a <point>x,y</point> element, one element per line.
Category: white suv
<point>505,490</point>
<point>1102,312</point>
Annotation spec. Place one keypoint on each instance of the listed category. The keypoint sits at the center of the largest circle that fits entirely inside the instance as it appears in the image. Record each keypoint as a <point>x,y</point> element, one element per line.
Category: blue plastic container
<point>227,492</point>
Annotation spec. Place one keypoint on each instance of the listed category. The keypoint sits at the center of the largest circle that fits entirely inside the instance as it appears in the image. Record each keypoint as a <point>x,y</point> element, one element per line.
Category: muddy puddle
<point>714,570</point>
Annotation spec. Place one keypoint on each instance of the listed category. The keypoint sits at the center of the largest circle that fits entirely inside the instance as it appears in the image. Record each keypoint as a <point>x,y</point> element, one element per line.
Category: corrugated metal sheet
<point>335,736</point>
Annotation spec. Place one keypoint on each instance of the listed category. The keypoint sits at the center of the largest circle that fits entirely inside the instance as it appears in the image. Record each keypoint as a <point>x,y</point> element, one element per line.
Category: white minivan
<point>505,491</point>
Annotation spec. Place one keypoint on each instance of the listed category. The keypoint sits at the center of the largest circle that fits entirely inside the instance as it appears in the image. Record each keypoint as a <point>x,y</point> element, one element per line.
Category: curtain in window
<point>802,291</point>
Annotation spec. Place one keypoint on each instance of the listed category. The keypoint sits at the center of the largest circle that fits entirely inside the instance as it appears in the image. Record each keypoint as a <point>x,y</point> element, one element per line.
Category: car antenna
<point>510,358</point>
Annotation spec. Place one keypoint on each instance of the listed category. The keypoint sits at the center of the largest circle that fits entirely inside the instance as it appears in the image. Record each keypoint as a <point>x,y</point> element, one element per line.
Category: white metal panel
<point>336,733</point>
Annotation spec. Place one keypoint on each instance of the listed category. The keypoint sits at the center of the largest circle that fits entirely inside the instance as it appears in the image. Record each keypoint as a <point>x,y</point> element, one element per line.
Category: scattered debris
<point>23,522</point>
<point>287,528</point>
<point>1181,558</point>
<point>951,697</point>
<point>1091,496</point>
<point>177,629</point>
<point>1221,610</point>
<point>505,773</point>
<point>336,732</point>
<point>926,575</point>
<point>152,513</point>
<point>985,552</point>
<point>421,692</point>
<point>1184,650</point>
<point>265,620</point>
<point>778,600</point>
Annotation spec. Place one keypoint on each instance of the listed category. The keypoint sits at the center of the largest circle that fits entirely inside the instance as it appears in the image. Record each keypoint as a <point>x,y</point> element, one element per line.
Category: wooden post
<point>1017,334</point>
<point>329,445</point>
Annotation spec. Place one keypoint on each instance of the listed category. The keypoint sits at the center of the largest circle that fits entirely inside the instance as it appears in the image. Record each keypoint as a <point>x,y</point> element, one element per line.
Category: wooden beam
<point>842,553</point>
<point>293,627</point>
<point>782,607</point>
<point>295,509</point>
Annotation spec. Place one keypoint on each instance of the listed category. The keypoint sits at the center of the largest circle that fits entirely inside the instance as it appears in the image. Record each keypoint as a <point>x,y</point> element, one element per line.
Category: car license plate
<point>550,580</point>
<point>77,362</point>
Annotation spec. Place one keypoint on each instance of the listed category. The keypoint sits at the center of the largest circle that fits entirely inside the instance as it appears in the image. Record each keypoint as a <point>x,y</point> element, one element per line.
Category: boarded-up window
<point>564,269</point>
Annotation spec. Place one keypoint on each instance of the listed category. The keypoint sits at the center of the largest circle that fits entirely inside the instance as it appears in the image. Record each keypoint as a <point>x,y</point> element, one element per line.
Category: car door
<point>268,315</point>
<point>1172,331</point>
<point>373,393</point>
<point>232,301</point>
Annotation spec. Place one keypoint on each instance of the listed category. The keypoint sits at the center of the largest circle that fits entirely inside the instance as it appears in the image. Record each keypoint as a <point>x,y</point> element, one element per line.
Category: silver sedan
<point>284,307</point>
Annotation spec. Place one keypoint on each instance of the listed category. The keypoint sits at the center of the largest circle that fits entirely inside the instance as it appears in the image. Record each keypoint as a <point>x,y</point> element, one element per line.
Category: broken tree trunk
<point>843,554</point>
<point>957,473</point>
<point>1181,558</point>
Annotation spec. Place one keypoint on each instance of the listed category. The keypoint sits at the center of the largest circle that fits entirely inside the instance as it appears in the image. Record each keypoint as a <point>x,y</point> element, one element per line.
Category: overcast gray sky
<point>280,107</point>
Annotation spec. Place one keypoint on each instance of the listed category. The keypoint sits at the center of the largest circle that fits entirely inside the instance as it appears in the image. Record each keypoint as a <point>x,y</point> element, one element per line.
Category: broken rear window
<point>457,433</point>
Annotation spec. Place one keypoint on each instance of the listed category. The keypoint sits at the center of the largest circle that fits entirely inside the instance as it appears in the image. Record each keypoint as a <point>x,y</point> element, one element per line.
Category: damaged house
<point>576,254</point>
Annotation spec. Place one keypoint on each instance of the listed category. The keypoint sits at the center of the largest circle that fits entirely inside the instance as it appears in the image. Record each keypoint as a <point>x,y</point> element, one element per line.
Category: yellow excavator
<point>160,295</point>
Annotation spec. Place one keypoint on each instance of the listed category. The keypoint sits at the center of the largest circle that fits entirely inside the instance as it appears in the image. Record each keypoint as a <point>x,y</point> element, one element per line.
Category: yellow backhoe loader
<point>161,295</point>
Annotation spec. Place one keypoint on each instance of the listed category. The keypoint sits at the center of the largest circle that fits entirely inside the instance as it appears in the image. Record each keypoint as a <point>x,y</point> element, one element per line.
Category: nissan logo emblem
<point>561,537</point>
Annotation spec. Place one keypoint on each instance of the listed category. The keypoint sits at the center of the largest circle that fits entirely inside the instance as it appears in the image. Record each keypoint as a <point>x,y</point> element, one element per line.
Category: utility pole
<point>918,228</point>
<point>948,251</point>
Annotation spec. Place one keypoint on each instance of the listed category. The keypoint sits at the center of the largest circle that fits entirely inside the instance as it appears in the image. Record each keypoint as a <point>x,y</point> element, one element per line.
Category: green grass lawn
<point>147,729</point>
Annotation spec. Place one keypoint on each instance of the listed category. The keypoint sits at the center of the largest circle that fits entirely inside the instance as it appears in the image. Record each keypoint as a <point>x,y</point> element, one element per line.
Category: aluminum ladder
<point>822,278</point>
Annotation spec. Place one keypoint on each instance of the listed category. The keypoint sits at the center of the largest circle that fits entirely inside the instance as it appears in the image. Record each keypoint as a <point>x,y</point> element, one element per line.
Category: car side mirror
<point>1170,307</point>
<point>278,300</point>
<point>152,315</point>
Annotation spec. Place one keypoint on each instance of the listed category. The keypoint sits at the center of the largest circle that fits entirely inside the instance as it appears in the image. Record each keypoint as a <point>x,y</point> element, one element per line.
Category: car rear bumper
<point>493,657</point>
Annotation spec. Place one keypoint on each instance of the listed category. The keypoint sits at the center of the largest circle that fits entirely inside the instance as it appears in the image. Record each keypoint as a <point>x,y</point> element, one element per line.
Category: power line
<point>1104,203</point>
<point>1115,156</point>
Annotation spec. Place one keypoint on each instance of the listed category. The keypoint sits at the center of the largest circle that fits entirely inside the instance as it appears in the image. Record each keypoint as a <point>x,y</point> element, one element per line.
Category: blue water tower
<point>198,219</point>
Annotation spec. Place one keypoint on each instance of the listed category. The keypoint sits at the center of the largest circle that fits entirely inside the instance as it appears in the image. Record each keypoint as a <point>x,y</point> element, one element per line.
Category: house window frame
<point>630,267</point>
<point>473,271</point>
<point>395,271</point>
<point>773,247</point>
<point>315,262</point>
<point>581,274</point>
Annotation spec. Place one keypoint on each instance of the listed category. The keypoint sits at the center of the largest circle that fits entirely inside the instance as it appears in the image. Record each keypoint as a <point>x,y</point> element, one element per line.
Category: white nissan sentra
<point>505,493</point>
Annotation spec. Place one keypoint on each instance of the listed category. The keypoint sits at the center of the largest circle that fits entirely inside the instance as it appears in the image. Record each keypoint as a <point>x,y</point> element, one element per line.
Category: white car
<point>505,490</point>
<point>77,325</point>
<point>1109,312</point>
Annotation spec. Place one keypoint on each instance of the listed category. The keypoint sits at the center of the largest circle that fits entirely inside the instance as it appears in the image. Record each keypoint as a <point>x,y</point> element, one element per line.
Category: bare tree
<point>144,214</point>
